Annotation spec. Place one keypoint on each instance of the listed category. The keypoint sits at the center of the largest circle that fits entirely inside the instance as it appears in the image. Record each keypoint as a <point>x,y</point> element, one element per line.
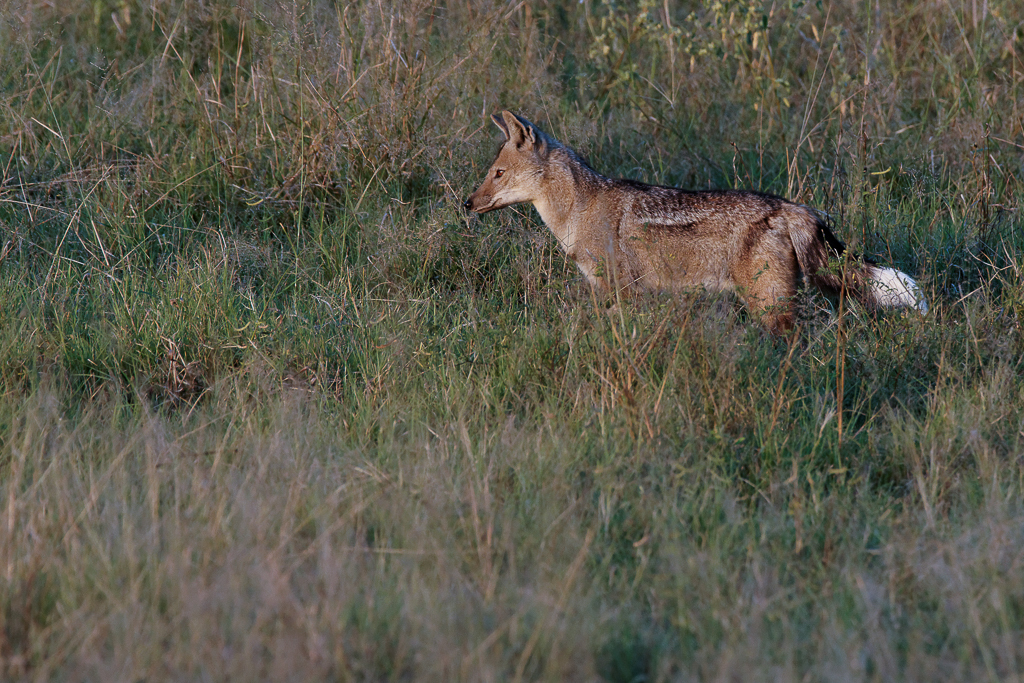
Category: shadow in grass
<point>631,652</point>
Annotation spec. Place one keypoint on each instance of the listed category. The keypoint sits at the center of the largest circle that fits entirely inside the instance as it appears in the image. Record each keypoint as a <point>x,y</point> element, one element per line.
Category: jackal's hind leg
<point>768,291</point>
<point>776,317</point>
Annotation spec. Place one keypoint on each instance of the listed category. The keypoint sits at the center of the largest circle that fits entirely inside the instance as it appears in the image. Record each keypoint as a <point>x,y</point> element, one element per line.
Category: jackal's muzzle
<point>475,204</point>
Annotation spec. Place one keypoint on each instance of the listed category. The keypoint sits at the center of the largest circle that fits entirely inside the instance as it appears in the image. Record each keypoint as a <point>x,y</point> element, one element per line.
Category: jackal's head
<point>517,171</point>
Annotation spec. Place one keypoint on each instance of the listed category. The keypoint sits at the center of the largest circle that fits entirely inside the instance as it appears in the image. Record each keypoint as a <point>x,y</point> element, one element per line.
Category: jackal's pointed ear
<point>500,123</point>
<point>518,131</point>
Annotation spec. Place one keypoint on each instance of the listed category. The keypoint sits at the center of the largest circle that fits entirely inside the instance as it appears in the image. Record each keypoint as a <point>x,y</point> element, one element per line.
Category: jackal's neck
<point>565,193</point>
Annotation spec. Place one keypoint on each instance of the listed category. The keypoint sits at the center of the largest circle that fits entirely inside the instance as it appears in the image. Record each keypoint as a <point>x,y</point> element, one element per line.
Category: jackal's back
<point>678,239</point>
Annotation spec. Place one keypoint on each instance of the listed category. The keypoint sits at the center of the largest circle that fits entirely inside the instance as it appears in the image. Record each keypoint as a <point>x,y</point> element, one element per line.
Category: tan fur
<point>626,234</point>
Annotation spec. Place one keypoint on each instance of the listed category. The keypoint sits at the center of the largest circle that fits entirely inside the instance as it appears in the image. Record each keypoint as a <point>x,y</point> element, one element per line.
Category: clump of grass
<point>272,406</point>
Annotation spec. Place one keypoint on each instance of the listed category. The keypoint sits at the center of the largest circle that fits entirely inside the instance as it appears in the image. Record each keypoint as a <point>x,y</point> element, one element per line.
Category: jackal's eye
<point>499,173</point>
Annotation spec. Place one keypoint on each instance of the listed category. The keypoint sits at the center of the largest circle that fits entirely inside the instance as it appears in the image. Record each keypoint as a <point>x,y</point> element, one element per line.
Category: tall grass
<point>272,407</point>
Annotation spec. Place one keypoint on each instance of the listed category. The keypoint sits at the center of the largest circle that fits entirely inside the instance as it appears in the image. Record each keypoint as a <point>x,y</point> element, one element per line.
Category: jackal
<point>630,235</point>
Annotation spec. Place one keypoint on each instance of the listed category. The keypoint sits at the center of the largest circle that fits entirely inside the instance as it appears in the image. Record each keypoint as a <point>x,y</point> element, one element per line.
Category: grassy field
<point>272,407</point>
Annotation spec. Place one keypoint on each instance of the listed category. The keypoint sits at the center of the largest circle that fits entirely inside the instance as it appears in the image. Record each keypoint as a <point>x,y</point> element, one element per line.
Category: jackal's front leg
<point>596,272</point>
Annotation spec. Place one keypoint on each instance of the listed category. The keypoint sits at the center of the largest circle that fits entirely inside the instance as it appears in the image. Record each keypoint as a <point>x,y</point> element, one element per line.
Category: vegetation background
<point>273,408</point>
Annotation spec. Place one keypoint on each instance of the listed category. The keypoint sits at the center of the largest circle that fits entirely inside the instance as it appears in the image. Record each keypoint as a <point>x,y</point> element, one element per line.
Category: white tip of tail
<point>897,290</point>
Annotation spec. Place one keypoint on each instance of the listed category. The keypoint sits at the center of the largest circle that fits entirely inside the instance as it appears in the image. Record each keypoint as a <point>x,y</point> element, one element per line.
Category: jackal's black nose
<point>467,205</point>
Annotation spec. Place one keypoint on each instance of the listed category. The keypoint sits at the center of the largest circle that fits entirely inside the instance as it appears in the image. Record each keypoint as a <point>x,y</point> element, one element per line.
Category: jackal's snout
<point>476,204</point>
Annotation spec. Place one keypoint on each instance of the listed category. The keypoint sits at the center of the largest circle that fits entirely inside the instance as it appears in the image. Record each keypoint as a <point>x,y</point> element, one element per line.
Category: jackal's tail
<point>820,255</point>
